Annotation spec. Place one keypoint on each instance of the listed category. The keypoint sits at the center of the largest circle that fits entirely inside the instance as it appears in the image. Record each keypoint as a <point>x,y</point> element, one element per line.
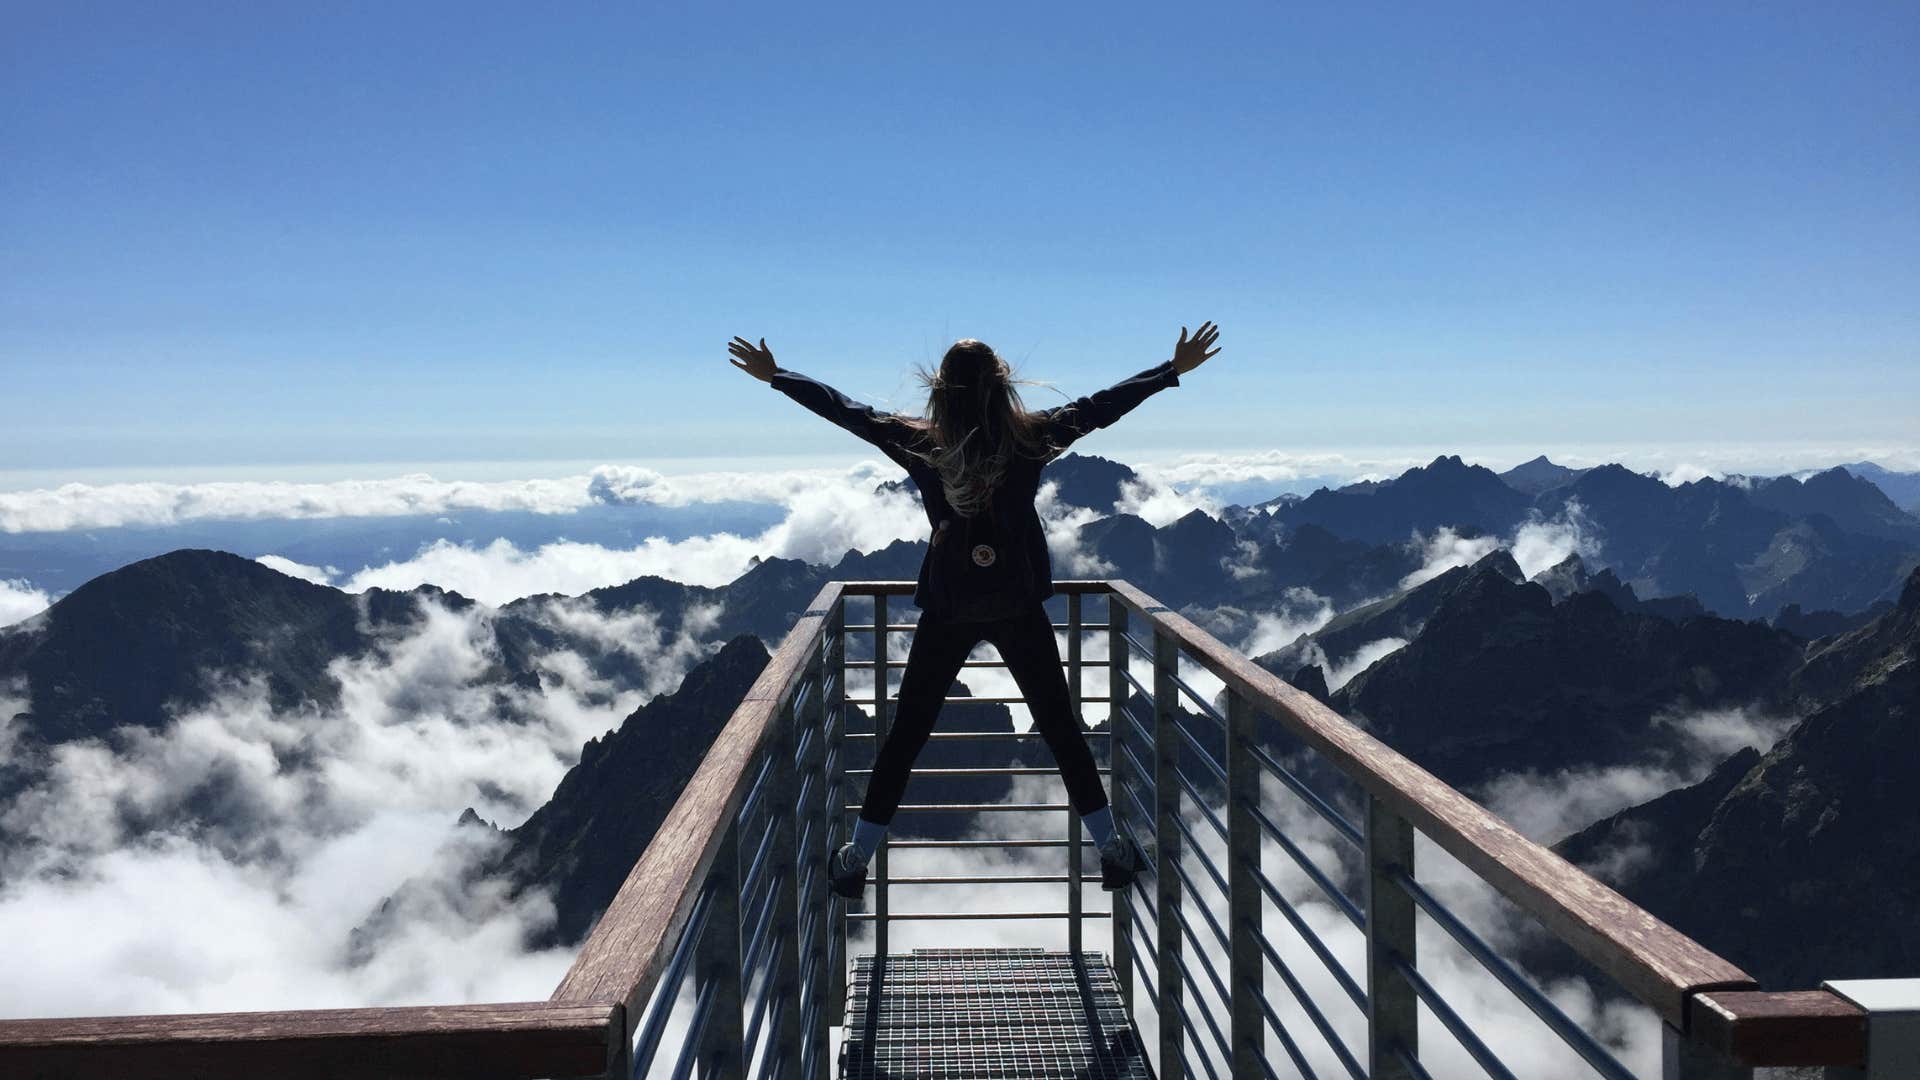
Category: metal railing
<point>723,954</point>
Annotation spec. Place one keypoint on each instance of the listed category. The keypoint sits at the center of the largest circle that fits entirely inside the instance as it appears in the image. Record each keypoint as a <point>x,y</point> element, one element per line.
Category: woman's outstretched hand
<point>1188,355</point>
<point>755,360</point>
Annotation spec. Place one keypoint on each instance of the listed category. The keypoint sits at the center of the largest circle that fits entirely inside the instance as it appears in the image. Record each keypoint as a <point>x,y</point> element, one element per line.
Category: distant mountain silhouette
<point>1446,492</point>
<point>1902,487</point>
<point>1854,504</point>
<point>1711,539</point>
<point>120,648</point>
<point>1539,476</point>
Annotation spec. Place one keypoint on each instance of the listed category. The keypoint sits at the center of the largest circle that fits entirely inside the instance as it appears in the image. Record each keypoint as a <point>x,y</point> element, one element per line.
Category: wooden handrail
<point>1652,961</point>
<point>630,944</point>
<point>499,1042</point>
<point>1794,1027</point>
<point>586,1026</point>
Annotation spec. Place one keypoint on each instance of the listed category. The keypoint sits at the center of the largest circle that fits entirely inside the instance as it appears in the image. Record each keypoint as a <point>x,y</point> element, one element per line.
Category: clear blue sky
<point>250,235</point>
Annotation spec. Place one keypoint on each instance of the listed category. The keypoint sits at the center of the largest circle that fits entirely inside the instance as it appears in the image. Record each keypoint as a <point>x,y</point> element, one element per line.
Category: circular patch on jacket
<point>982,555</point>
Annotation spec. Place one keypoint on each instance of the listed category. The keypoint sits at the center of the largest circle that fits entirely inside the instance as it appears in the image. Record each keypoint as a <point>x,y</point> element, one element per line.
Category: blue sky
<point>259,236</point>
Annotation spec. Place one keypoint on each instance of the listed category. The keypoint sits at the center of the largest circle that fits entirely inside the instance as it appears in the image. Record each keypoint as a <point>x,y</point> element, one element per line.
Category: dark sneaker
<point>843,876</point>
<point>1119,873</point>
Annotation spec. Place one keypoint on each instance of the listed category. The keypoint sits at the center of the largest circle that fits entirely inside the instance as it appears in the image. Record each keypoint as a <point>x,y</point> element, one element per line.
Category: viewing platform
<point>1283,930</point>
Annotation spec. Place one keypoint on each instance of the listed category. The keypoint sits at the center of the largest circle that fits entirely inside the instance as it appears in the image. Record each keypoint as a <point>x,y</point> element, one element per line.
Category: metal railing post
<point>1682,1058</point>
<point>880,638</point>
<point>830,810</point>
<point>717,966</point>
<point>1392,1006</point>
<point>1166,788</point>
<point>812,820</point>
<point>1073,816</point>
<point>1117,690</point>
<point>1245,972</point>
<point>784,976</point>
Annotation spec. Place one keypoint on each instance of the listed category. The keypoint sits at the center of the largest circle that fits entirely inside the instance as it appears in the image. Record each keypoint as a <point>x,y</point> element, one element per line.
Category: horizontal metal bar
<point>993,771</point>
<point>979,699</point>
<point>1145,971</point>
<point>1186,1021</point>
<point>1314,1013</point>
<point>696,1026</point>
<point>1334,817</point>
<point>898,844</point>
<point>752,1037</point>
<point>909,627</point>
<point>1206,707</point>
<point>1286,1041</point>
<point>1411,1063</point>
<point>1347,907</point>
<point>976,916</point>
<point>1135,680</point>
<point>1086,662</point>
<point>1206,756</point>
<point>1425,991</point>
<point>1193,794</point>
<point>985,879</point>
<point>667,990</point>
<point>1313,941</point>
<point>977,736</point>
<point>1193,847</point>
<point>1219,985</point>
<point>1530,995</point>
<point>965,807</point>
<point>770,1060</point>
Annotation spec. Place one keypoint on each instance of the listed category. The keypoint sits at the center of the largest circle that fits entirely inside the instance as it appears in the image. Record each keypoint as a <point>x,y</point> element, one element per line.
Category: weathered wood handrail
<point>1655,963</point>
<point>587,1026</point>
<point>628,947</point>
<point>497,1042</point>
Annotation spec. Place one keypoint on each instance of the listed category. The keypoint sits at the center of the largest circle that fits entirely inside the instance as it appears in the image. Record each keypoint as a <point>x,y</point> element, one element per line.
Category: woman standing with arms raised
<point>976,458</point>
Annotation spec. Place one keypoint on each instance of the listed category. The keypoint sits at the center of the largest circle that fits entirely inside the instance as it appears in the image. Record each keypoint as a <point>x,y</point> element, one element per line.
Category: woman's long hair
<point>975,425</point>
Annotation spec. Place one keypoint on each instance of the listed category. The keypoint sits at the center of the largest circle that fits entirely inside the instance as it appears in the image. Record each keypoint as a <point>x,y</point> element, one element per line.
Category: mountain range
<point>1535,623</point>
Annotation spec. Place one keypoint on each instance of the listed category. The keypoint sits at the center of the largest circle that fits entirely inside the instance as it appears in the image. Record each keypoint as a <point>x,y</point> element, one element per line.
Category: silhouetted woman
<point>976,459</point>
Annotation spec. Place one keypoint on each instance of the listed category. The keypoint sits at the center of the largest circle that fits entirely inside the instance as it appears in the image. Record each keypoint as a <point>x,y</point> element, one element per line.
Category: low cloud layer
<point>19,600</point>
<point>223,861</point>
<point>1549,807</point>
<point>106,506</point>
<point>823,522</point>
<point>1536,545</point>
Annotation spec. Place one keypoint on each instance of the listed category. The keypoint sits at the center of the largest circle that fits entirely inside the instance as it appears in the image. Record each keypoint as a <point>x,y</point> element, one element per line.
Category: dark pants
<point>933,661</point>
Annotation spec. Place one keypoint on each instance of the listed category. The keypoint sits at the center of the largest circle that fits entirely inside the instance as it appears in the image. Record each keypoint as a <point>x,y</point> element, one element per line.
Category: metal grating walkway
<point>978,1013</point>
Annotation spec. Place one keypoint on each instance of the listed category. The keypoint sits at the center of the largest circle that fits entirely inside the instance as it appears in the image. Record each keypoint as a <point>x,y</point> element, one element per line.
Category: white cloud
<point>1340,672</point>
<point>1303,611</point>
<point>221,861</point>
<point>1062,523</point>
<point>1537,544</point>
<point>823,522</point>
<point>1159,503</point>
<point>102,506</point>
<point>319,575</point>
<point>1446,549</point>
<point>1687,473</point>
<point>20,601</point>
<point>1542,544</point>
<point>1549,807</point>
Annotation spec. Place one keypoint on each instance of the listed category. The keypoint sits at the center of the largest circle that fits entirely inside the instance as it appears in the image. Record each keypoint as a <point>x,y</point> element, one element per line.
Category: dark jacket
<point>1012,526</point>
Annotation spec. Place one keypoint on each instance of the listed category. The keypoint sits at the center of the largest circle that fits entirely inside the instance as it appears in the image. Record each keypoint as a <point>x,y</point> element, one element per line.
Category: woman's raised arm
<point>1103,407</point>
<point>822,400</point>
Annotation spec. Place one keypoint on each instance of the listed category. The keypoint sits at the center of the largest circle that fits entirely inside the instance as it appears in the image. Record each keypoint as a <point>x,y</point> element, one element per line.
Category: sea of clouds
<point>140,899</point>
